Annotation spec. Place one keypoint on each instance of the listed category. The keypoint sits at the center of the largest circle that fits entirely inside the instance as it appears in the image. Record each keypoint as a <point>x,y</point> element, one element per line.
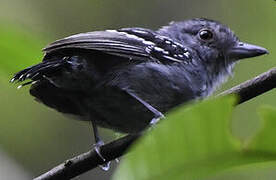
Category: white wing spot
<point>12,80</point>
<point>111,30</point>
<point>21,76</point>
<point>140,31</point>
<point>160,37</point>
<point>148,42</point>
<point>166,52</point>
<point>148,49</point>
<point>19,87</point>
<point>161,50</point>
<point>187,54</point>
<point>158,49</point>
<point>173,59</point>
<point>34,82</point>
<point>131,36</point>
<point>178,44</point>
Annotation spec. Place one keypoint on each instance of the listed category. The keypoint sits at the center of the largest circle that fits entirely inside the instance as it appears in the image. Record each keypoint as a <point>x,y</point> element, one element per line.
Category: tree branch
<point>89,160</point>
<point>254,87</point>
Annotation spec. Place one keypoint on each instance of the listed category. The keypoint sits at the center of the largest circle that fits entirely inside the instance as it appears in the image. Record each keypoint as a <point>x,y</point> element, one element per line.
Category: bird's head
<point>211,40</point>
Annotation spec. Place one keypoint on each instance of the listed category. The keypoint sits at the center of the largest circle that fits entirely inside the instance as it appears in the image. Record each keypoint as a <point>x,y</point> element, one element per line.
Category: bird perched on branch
<point>126,79</point>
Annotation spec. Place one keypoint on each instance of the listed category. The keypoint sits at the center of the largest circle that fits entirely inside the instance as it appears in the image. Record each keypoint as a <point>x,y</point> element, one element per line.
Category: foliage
<point>195,142</point>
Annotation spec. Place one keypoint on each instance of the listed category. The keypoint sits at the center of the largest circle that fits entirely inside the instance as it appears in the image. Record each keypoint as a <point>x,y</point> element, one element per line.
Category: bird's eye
<point>206,35</point>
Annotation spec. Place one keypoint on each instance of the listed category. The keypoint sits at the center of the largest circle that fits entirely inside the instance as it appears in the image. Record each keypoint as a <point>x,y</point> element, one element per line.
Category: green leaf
<point>194,143</point>
<point>191,143</point>
<point>257,171</point>
<point>265,140</point>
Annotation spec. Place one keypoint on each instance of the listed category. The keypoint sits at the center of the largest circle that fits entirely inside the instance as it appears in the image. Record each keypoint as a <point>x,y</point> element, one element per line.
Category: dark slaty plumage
<point>124,79</point>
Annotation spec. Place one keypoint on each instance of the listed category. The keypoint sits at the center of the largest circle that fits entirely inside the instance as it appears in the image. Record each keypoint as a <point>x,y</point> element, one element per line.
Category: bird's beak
<point>243,50</point>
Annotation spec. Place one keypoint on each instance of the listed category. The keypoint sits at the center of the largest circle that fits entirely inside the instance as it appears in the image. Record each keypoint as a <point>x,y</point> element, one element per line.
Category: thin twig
<point>254,87</point>
<point>89,160</point>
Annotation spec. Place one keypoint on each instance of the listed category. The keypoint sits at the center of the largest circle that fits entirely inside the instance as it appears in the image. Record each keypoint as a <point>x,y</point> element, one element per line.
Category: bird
<point>127,79</point>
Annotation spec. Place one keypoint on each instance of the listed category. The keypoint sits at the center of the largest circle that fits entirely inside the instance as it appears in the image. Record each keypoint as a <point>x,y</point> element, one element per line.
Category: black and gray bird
<point>126,79</point>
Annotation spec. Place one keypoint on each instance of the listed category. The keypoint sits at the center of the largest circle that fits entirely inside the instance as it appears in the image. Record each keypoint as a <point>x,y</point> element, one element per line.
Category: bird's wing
<point>133,43</point>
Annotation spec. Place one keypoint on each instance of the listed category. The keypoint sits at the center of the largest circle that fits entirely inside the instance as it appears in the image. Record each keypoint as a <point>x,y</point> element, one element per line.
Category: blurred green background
<point>34,138</point>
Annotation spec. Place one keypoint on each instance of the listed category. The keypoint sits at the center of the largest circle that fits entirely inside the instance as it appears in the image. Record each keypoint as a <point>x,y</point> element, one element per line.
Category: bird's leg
<point>97,146</point>
<point>157,114</point>
<point>97,138</point>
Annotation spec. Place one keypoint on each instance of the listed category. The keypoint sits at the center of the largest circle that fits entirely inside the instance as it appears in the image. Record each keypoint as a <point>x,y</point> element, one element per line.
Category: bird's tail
<point>38,72</point>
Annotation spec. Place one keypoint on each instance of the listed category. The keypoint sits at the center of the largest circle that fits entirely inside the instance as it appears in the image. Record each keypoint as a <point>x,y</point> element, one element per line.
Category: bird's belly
<point>109,107</point>
<point>115,109</point>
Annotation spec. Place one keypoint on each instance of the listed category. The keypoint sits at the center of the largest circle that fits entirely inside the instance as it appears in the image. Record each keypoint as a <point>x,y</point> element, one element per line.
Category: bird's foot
<point>97,148</point>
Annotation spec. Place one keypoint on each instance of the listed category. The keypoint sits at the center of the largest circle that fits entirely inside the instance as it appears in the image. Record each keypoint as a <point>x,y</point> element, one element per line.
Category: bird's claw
<point>105,166</point>
<point>97,148</point>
